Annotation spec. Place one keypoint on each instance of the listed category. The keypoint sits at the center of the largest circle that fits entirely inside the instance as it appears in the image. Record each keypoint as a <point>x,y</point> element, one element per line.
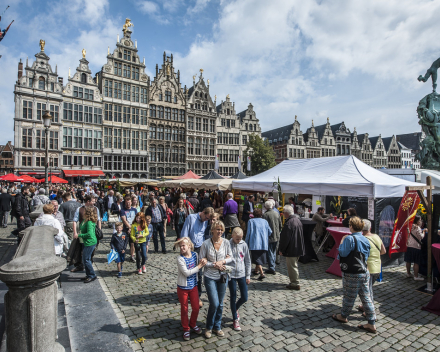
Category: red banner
<point>405,218</point>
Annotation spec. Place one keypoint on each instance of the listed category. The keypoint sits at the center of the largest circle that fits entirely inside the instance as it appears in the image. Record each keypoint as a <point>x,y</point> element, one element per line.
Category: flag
<point>405,218</point>
<point>216,166</point>
<point>239,163</point>
<point>248,163</point>
<point>3,32</point>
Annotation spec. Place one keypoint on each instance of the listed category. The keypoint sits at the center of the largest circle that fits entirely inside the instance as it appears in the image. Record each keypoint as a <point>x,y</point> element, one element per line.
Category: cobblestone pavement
<point>273,319</point>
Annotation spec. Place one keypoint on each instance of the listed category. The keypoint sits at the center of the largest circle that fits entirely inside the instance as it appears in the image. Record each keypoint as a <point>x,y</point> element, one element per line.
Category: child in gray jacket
<point>240,274</point>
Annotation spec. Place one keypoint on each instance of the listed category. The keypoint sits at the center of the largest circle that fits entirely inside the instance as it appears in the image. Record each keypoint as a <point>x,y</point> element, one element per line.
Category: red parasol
<point>10,178</point>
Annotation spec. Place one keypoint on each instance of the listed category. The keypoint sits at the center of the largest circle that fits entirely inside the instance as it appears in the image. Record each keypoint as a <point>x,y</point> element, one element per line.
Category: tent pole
<point>429,196</point>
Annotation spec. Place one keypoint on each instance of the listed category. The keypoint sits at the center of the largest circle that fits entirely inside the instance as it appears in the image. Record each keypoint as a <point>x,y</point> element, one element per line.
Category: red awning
<point>38,173</point>
<point>84,173</point>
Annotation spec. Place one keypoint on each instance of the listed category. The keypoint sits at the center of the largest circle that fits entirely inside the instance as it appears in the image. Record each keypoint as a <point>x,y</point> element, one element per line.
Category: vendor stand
<point>308,226</point>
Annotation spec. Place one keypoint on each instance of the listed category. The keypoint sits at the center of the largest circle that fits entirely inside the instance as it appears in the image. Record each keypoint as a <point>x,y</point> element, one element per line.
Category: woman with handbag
<point>217,252</point>
<point>413,252</point>
<point>87,233</point>
<point>165,207</point>
<point>115,212</point>
<point>374,263</point>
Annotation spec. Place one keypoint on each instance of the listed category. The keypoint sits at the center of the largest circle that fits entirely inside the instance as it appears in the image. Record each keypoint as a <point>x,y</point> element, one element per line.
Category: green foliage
<point>337,204</point>
<point>261,153</point>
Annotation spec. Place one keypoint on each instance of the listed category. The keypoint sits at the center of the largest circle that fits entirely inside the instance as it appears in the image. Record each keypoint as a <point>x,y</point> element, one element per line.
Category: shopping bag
<point>111,256</point>
<point>105,217</point>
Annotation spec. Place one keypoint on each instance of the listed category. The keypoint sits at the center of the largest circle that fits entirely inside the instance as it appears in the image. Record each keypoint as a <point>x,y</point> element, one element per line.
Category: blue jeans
<point>158,228</point>
<point>141,252</point>
<point>87,260</point>
<point>242,285</point>
<point>216,293</point>
<point>271,255</point>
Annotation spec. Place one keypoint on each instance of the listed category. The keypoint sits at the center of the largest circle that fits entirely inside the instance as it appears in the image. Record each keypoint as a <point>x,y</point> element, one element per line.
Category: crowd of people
<point>217,250</point>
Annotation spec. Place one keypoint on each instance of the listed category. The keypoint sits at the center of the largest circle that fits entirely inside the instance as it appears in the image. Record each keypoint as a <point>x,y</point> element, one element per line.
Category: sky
<point>351,61</point>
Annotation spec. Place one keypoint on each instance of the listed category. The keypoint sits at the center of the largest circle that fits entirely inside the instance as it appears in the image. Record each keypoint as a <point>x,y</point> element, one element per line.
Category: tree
<point>261,153</point>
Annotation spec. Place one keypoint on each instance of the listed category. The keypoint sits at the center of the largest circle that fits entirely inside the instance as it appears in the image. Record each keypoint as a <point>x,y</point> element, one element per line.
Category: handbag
<point>98,233</point>
<point>113,218</point>
<point>111,256</point>
<point>223,275</point>
<point>105,217</point>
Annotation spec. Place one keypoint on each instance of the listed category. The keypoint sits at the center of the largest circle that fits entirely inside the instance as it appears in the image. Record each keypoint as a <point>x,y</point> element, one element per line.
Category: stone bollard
<point>31,303</point>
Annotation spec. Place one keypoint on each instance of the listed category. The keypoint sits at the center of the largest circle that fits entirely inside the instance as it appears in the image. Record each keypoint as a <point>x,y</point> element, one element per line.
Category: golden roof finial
<point>328,119</point>
<point>84,53</point>
<point>208,82</point>
<point>69,72</point>
<point>313,125</point>
<point>126,25</point>
<point>42,44</point>
<point>194,77</point>
<point>201,70</point>
<point>296,118</point>
<point>227,97</point>
<point>108,50</point>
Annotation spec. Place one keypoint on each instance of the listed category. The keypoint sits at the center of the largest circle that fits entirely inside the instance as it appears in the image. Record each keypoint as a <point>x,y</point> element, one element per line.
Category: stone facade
<point>82,121</point>
<point>233,132</point>
<point>201,127</point>
<point>37,89</point>
<point>167,122</point>
<point>289,142</point>
<point>124,87</point>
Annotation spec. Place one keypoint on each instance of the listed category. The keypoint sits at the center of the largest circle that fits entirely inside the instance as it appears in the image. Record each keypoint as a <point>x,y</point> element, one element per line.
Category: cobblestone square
<point>273,319</point>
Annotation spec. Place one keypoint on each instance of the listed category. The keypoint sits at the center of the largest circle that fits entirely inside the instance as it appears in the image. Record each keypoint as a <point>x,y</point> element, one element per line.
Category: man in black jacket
<point>248,209</point>
<point>292,245</point>
<point>206,203</point>
<point>194,202</point>
<point>22,209</point>
<point>5,207</point>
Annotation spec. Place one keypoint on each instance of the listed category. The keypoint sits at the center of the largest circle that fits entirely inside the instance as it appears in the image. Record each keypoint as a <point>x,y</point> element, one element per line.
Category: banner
<point>239,163</point>
<point>248,163</point>
<point>404,221</point>
<point>216,166</point>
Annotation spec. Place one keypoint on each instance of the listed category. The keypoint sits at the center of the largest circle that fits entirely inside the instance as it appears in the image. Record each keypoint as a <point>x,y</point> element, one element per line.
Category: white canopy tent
<point>435,178</point>
<point>221,184</point>
<point>341,176</point>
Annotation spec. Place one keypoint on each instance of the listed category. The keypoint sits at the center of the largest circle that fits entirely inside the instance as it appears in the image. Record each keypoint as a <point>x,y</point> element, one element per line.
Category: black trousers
<point>158,228</point>
<point>199,274</point>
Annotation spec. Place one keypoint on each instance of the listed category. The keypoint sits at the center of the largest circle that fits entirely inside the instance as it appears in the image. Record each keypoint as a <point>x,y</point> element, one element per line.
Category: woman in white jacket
<point>49,220</point>
<point>188,266</point>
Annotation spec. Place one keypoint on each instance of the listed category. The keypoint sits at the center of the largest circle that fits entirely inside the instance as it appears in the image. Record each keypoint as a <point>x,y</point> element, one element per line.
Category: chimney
<point>20,69</point>
<point>178,77</point>
<point>60,80</point>
<point>157,69</point>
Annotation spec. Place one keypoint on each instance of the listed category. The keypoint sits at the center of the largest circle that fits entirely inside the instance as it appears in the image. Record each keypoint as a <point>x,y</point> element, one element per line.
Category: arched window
<point>167,133</point>
<point>152,154</point>
<point>190,145</point>
<point>339,149</point>
<point>198,144</point>
<point>182,135</point>
<point>161,112</point>
<point>175,135</point>
<point>250,127</point>
<point>175,101</point>
<point>160,132</point>
<point>41,83</point>
<point>83,78</point>
<point>181,171</point>
<point>212,147</point>
<point>160,172</point>
<point>190,166</point>
<point>168,96</point>
<point>196,94</point>
<point>167,171</point>
<point>206,96</point>
<point>175,155</point>
<point>197,169</point>
<point>175,171</point>
<point>152,131</point>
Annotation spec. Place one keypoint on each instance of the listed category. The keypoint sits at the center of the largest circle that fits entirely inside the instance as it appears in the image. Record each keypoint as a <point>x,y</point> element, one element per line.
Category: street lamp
<point>47,120</point>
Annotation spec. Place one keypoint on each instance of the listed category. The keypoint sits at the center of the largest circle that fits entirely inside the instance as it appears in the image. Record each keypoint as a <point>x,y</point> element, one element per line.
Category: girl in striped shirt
<point>188,267</point>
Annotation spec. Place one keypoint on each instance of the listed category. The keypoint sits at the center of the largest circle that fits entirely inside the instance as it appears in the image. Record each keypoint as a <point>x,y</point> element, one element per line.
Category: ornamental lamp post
<point>47,120</point>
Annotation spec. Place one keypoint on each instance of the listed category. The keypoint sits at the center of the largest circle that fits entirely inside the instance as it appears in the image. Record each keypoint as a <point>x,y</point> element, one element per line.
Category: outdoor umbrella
<point>239,176</point>
<point>10,178</point>
<point>28,179</point>
<point>54,179</point>
<point>212,175</point>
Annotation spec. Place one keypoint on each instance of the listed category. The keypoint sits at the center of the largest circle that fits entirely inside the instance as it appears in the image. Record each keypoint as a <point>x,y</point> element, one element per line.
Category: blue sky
<point>350,61</point>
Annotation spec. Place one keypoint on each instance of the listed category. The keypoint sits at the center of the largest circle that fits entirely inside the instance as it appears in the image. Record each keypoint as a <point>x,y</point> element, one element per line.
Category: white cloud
<point>148,7</point>
<point>198,7</point>
<point>320,59</point>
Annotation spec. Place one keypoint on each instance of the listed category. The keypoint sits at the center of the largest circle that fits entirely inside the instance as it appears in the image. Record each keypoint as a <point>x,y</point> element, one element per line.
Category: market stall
<point>223,184</point>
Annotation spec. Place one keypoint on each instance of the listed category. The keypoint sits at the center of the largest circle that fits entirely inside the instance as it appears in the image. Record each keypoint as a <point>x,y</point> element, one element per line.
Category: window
<point>135,72</point>
<point>97,141</point>
<point>197,148</point>
<point>205,125</point>
<point>117,113</point>
<point>167,133</point>
<point>182,135</point>
<point>160,152</point>
<point>26,161</point>
<point>175,99</point>
<point>175,115</point>
<point>143,119</point>
<point>212,126</point>
<point>27,109</point>
<point>191,123</point>
<point>219,138</point>
<point>134,116</point>
<point>67,160</point>
<point>190,145</point>
<point>41,83</point>
<point>232,123</point>
<point>152,110</point>
<point>250,127</point>
<point>97,115</point>
<point>108,112</point>
<point>67,137</point>
<point>223,122</point>
<point>160,97</point>
<point>125,140</point>
<point>78,112</point>
<point>161,112</point>
<point>135,140</point>
<point>160,132</point>
<point>88,94</point>
<point>107,137</point>
<point>77,138</point>
<point>144,95</point>
<point>54,112</point>
<point>205,146</point>
<point>126,115</point>
<point>212,147</point>
<point>182,115</point>
<point>168,113</point>
<point>126,95</point>
<point>27,138</point>
<point>152,131</point>
<point>236,138</point>
<point>83,78</point>
<point>117,69</point>
<point>31,82</point>
<point>127,55</point>
<point>78,92</point>
<point>198,124</point>
<point>143,136</point>
<point>168,96</point>
<point>88,139</point>
<point>41,108</point>
<point>245,139</point>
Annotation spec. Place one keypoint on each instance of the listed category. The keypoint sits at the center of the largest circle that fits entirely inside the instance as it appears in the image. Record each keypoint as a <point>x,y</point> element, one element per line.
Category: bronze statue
<point>431,72</point>
<point>42,44</point>
<point>126,25</point>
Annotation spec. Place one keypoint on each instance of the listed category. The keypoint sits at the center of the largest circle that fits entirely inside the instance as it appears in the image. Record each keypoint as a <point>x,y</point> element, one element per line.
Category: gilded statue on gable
<point>126,25</point>
<point>42,44</point>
